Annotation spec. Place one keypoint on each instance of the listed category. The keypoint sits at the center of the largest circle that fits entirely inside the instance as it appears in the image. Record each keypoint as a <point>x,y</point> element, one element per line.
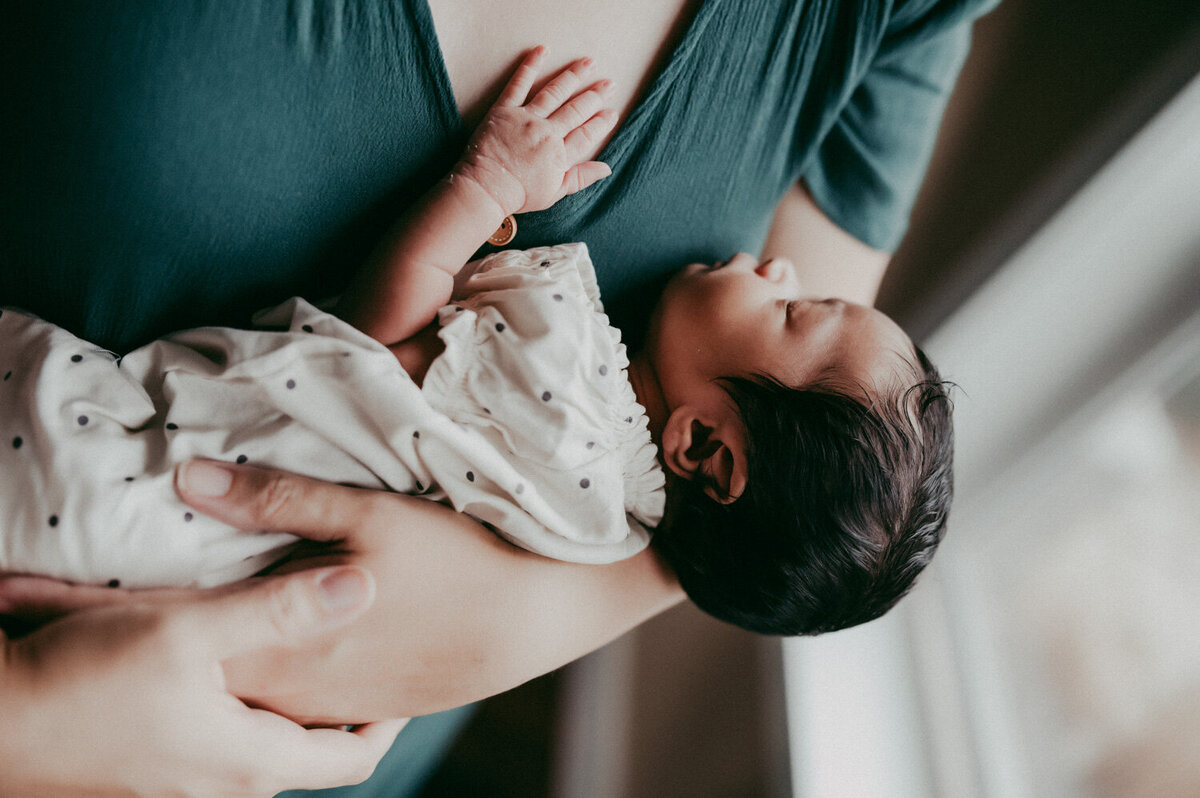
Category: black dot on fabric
<point>241,458</point>
<point>345,354</point>
<point>520,488</point>
<point>306,328</point>
<point>76,358</point>
<point>545,263</point>
<point>545,396</point>
<point>114,582</point>
<point>629,419</point>
<point>129,479</point>
<point>188,516</point>
<point>499,327</point>
<point>603,370</point>
<point>83,420</point>
<point>416,433</point>
<point>488,411</point>
<point>6,376</point>
<point>591,444</point>
<point>470,476</point>
<point>17,441</point>
<point>54,520</point>
<point>172,425</point>
<point>558,297</point>
<point>291,384</point>
<point>585,482</point>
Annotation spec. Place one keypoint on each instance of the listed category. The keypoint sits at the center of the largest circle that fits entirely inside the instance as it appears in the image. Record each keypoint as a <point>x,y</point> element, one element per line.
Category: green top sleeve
<point>870,165</point>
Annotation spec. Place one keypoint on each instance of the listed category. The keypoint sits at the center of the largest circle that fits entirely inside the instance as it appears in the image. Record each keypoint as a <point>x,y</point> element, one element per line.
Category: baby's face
<point>743,318</point>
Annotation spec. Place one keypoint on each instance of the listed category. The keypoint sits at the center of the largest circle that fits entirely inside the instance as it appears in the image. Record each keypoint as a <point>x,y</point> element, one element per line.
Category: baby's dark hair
<point>845,503</point>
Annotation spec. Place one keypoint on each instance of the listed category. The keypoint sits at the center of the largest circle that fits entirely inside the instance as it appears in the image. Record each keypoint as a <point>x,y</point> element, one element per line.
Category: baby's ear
<point>699,448</point>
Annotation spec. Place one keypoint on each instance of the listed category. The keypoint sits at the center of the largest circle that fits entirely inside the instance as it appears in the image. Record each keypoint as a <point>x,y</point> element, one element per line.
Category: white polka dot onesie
<point>527,422</point>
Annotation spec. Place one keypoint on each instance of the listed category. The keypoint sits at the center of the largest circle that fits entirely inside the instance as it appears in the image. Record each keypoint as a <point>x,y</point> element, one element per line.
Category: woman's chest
<point>631,41</point>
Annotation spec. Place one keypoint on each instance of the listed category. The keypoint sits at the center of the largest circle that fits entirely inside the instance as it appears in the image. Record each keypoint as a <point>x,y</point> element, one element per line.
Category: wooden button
<point>506,232</point>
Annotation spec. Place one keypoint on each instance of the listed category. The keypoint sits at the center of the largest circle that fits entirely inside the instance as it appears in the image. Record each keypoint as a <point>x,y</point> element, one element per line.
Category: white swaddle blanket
<point>526,422</point>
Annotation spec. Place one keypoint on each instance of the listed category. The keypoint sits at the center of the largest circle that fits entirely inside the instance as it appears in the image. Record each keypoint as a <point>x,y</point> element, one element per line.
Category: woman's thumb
<point>282,610</point>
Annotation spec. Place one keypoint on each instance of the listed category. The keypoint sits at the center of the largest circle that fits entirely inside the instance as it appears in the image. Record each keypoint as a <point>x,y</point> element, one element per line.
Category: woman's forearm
<point>459,615</point>
<point>830,261</point>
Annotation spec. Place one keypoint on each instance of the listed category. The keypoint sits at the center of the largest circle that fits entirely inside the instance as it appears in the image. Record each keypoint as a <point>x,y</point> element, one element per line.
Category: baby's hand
<point>528,155</point>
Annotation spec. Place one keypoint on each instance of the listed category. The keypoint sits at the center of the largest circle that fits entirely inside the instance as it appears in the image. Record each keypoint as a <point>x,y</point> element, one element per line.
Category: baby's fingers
<point>582,175</point>
<point>585,139</point>
<point>582,106</point>
<point>561,88</point>
<point>521,82</point>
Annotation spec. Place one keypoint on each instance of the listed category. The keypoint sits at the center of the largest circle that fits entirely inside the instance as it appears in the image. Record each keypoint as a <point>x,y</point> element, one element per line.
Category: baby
<point>792,455</point>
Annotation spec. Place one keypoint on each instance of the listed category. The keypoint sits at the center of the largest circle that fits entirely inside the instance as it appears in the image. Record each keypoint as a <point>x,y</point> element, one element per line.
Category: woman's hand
<point>459,614</point>
<point>130,699</point>
<point>528,155</point>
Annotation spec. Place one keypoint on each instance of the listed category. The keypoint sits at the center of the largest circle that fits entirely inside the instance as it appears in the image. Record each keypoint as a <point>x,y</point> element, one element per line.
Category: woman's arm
<point>831,262</point>
<point>458,614</point>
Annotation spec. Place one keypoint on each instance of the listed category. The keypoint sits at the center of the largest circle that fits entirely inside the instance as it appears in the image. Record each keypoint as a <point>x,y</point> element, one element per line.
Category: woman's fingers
<point>321,758</point>
<point>517,89</point>
<point>252,498</point>
<point>280,611</point>
<point>561,88</point>
<point>39,599</point>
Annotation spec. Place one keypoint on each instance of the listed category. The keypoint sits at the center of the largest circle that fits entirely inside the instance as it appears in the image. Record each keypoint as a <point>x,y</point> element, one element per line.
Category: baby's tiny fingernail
<point>205,478</point>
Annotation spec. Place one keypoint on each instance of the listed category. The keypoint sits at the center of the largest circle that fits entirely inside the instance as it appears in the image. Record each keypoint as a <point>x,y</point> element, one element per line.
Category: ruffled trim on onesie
<point>568,268</point>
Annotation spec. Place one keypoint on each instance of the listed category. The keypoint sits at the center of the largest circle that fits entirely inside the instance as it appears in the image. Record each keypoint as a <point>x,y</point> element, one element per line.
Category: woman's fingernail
<point>344,589</point>
<point>205,478</point>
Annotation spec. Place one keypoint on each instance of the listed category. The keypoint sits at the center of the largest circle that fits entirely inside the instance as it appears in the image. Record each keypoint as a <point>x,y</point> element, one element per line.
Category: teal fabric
<point>405,768</point>
<point>165,163</point>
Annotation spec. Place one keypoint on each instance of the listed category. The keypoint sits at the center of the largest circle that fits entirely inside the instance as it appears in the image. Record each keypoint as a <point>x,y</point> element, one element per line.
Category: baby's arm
<point>523,157</point>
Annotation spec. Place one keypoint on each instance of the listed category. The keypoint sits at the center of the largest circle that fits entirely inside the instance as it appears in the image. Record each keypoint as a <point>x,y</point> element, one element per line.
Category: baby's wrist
<point>489,179</point>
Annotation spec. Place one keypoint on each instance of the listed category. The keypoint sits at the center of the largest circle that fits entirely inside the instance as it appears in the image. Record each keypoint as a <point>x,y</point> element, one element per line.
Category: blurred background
<point>1053,650</point>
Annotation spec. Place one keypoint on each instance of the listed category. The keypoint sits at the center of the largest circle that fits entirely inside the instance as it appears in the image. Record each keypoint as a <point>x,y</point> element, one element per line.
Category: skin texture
<point>156,666</point>
<point>475,637</point>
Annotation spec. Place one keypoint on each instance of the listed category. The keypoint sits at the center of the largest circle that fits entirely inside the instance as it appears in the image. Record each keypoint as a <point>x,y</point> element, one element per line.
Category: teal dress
<point>169,164</point>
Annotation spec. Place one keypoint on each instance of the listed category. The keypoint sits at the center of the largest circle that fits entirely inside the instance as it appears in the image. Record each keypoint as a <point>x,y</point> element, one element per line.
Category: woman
<point>177,165</point>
